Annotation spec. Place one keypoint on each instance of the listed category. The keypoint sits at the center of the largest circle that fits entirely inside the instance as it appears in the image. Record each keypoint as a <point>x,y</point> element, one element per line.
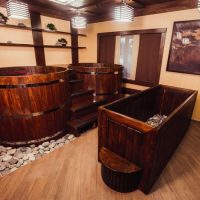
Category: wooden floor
<point>73,173</point>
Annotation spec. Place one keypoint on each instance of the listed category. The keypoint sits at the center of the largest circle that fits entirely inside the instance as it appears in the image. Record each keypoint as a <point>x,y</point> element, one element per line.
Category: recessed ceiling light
<point>63,2</point>
<point>17,10</point>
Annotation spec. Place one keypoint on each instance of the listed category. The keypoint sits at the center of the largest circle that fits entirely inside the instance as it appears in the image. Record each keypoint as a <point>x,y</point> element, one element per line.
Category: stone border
<point>12,159</point>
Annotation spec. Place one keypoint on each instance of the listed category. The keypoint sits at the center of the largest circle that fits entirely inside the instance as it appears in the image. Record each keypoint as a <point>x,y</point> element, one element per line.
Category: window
<point>128,54</point>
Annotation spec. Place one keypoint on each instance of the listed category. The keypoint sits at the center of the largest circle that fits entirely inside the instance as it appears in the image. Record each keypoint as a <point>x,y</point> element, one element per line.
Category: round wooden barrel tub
<point>104,79</point>
<point>34,104</point>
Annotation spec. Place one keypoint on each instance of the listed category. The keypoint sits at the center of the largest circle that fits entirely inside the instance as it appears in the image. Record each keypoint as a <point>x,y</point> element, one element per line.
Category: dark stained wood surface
<point>104,79</point>
<point>34,104</point>
<point>148,65</point>
<point>96,10</point>
<point>106,49</point>
<point>122,128</point>
<point>117,163</point>
<point>38,39</point>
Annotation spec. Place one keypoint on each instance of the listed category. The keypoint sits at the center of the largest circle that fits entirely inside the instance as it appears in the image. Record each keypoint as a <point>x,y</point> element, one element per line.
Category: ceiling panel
<point>101,10</point>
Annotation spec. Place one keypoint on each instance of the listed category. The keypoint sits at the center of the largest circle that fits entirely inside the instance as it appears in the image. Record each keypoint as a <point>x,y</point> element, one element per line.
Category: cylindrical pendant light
<point>124,13</point>
<point>79,21</point>
<point>17,10</point>
<point>64,2</point>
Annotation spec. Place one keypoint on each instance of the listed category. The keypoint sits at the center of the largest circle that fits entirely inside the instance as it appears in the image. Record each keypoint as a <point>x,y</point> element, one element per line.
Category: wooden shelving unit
<point>38,45</point>
<point>41,30</point>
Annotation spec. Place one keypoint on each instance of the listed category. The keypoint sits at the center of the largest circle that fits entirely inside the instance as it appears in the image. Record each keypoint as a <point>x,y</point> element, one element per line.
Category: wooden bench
<point>118,173</point>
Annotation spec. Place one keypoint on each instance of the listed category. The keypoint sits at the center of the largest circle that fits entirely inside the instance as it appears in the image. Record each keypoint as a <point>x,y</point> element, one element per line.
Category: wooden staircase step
<point>117,172</point>
<point>85,107</point>
<point>86,104</point>
<point>76,85</point>
<point>81,95</point>
<point>76,126</point>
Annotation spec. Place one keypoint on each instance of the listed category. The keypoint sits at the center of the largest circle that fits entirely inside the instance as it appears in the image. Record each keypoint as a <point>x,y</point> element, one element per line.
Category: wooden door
<point>149,63</point>
<point>106,49</point>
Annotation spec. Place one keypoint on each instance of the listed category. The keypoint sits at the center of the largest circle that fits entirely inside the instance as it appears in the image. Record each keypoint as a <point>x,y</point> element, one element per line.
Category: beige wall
<point>25,56</point>
<point>164,20</point>
<point>16,56</point>
<point>55,56</point>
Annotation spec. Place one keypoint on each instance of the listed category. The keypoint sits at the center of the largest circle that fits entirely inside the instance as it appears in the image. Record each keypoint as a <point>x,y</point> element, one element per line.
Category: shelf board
<point>61,47</point>
<point>57,32</point>
<point>45,46</point>
<point>15,27</point>
<point>16,45</point>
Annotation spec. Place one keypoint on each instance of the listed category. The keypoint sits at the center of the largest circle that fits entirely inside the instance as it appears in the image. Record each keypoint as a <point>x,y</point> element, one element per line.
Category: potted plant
<point>3,18</point>
<point>51,27</point>
<point>62,42</point>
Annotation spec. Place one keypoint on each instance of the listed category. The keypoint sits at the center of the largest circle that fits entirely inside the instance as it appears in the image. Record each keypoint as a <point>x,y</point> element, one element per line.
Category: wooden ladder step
<point>117,172</point>
<point>81,95</point>
<point>86,104</point>
<point>76,85</point>
<point>76,126</point>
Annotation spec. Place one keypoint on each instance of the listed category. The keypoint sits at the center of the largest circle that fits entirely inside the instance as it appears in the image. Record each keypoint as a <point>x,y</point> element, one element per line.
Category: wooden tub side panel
<point>131,144</point>
<point>167,139</point>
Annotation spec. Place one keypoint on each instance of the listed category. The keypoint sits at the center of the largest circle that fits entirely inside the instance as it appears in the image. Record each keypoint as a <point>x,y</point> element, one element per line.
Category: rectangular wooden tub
<point>124,131</point>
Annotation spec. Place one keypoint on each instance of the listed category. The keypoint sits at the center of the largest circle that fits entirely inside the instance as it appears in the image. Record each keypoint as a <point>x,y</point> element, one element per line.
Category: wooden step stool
<point>118,173</point>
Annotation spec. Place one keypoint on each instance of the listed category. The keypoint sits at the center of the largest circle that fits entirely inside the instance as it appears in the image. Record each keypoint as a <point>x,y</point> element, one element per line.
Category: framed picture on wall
<point>184,55</point>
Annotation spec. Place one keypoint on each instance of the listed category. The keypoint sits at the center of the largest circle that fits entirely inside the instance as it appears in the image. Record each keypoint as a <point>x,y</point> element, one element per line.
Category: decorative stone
<point>70,137</point>
<point>45,144</point>
<point>21,161</point>
<point>29,150</point>
<point>46,149</point>
<point>26,157</point>
<point>8,148</point>
<point>52,145</point>
<point>32,146</point>
<point>19,155</point>
<point>13,169</point>
<point>13,161</point>
<point>41,151</point>
<point>23,149</point>
<point>12,151</point>
<point>67,141</point>
<point>61,140</point>
<point>41,147</point>
<point>19,164</point>
<point>52,141</point>
<point>35,152</point>
<point>35,149</point>
<point>2,166</point>
<point>7,158</point>
<point>32,158</point>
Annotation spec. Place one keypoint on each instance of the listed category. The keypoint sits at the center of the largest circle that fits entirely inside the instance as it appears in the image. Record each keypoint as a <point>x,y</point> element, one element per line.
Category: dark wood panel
<point>38,39</point>
<point>148,65</point>
<point>74,43</point>
<point>34,104</point>
<point>106,49</point>
<point>97,11</point>
<point>102,78</point>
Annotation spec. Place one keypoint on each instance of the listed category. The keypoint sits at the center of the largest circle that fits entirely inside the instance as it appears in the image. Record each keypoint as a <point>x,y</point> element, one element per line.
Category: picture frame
<point>184,54</point>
